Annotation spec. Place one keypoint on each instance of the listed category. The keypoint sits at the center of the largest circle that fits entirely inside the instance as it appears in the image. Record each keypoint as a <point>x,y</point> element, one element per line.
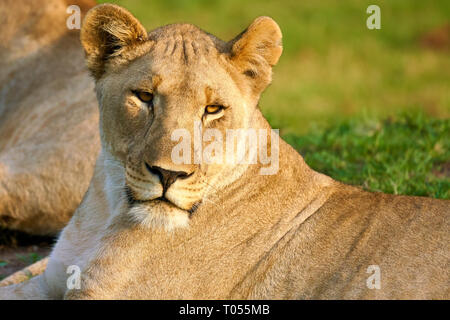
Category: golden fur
<point>225,231</point>
<point>48,116</point>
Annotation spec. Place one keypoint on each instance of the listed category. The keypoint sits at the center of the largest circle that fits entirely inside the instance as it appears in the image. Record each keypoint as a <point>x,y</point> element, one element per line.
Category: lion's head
<point>155,89</point>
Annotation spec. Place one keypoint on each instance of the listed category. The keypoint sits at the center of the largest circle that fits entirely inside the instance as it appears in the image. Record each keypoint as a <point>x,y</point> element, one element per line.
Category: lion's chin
<point>159,214</point>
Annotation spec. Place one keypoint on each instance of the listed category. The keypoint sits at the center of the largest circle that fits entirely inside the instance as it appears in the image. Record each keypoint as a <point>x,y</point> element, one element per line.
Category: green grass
<point>408,154</point>
<point>3,264</point>
<point>29,258</point>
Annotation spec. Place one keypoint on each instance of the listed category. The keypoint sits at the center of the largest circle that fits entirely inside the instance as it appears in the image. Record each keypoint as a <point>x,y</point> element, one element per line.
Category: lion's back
<point>358,234</point>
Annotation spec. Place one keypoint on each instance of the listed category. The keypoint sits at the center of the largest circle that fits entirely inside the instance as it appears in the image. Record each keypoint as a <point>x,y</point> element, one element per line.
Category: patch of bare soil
<point>19,250</point>
<point>437,39</point>
<point>442,171</point>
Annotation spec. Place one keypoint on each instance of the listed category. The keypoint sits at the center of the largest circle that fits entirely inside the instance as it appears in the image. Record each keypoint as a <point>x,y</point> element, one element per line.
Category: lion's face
<point>171,87</point>
<point>166,97</point>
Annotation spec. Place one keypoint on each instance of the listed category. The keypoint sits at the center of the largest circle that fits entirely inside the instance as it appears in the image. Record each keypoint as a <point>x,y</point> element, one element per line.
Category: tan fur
<point>48,116</point>
<point>25,274</point>
<point>227,231</point>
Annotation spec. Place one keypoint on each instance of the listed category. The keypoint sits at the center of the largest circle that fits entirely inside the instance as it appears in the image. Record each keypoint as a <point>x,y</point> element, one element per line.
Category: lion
<point>49,137</point>
<point>153,227</point>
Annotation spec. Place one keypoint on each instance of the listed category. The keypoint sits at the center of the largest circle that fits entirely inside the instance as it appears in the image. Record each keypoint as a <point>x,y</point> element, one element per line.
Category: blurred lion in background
<point>48,116</point>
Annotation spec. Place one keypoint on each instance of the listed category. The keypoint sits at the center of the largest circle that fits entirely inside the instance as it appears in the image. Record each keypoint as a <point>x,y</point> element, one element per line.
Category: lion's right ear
<point>109,31</point>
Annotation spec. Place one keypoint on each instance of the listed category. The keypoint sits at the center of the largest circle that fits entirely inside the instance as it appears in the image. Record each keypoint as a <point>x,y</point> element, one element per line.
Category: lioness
<point>153,228</point>
<point>48,116</point>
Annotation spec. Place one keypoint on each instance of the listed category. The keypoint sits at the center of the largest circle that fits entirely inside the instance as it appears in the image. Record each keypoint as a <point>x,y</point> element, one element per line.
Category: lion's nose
<point>167,177</point>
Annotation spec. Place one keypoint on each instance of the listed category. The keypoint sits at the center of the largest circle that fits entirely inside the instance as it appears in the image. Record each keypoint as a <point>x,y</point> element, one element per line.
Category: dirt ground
<point>18,250</point>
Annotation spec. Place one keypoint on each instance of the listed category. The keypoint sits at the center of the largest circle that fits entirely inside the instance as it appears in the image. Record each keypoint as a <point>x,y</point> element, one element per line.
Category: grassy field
<point>405,154</point>
<point>368,107</point>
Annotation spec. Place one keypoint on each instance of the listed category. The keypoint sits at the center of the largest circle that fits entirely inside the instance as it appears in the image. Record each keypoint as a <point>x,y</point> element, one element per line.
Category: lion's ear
<point>109,30</point>
<point>256,50</point>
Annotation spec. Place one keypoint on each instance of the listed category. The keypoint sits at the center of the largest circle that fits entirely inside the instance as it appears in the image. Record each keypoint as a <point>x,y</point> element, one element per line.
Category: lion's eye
<point>144,96</point>
<point>213,109</point>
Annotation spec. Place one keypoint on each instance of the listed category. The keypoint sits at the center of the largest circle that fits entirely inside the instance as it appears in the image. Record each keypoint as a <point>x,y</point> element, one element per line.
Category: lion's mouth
<point>133,201</point>
<point>164,199</point>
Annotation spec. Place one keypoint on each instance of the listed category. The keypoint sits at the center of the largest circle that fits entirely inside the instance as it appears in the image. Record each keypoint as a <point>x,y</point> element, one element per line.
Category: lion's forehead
<point>185,44</point>
<point>182,60</point>
<point>171,76</point>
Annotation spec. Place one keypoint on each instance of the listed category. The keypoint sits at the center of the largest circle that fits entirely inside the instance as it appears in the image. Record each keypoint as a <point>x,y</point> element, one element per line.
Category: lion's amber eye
<point>144,96</point>
<point>212,109</point>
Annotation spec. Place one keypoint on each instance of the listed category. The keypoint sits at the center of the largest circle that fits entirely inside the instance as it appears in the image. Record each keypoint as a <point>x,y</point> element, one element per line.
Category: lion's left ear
<point>256,50</point>
<point>109,30</point>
